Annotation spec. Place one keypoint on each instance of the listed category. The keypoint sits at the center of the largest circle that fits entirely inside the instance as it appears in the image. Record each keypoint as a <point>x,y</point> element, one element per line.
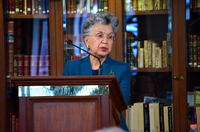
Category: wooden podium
<point>71,112</point>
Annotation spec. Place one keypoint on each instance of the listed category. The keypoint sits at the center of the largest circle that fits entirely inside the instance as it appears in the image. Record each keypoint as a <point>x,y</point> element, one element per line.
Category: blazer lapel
<point>107,66</point>
<point>86,68</point>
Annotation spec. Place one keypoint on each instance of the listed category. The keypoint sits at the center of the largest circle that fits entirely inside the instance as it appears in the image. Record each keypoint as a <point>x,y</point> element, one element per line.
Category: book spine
<point>26,65</point>
<point>10,44</point>
<point>141,117</point>
<point>164,4</point>
<point>47,65</point>
<point>102,5</point>
<point>168,4</point>
<point>91,6</point>
<point>161,114</point>
<point>41,65</point>
<point>166,119</point>
<point>13,6</point>
<point>146,118</point>
<point>157,5</point>
<point>135,5</point>
<point>160,57</point>
<point>99,6</point>
<point>25,7</point>
<point>169,50</point>
<point>10,7</point>
<point>136,118</point>
<point>15,65</point>
<point>194,43</point>
<point>29,7</point>
<point>161,4</point>
<point>20,65</point>
<point>132,119</point>
<point>44,7</point>
<point>195,114</point>
<point>190,51</point>
<point>141,58</point>
<point>33,7</point>
<point>68,6</point>
<point>34,64</point>
<point>78,6</point>
<point>17,124</point>
<point>127,117</point>
<point>198,51</point>
<point>81,6</point>
<point>47,6</point>
<point>128,51</point>
<point>36,7</point>
<point>149,52</point>
<point>151,117</point>
<point>153,54</point>
<point>39,6</point>
<point>198,3</point>
<point>105,5</point>
<point>198,117</point>
<point>84,5</point>
<point>88,6</point>
<point>21,7</point>
<point>13,123</point>
<point>170,118</point>
<point>139,5</point>
<point>72,6</point>
<point>146,53</point>
<point>144,5</point>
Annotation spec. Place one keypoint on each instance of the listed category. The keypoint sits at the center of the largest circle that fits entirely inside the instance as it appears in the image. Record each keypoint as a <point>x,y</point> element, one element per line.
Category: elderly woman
<point>99,32</point>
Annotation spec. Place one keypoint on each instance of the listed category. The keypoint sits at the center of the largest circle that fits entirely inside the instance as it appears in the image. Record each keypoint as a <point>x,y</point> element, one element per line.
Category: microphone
<point>100,67</point>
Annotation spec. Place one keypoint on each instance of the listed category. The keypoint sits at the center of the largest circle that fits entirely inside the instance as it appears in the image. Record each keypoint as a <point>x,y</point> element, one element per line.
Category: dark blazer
<point>110,67</point>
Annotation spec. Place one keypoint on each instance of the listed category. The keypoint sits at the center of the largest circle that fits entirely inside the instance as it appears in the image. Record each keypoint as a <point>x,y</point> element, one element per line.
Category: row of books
<point>194,50</point>
<point>27,7</point>
<point>194,4</point>
<point>149,117</point>
<point>147,5</point>
<point>13,122</point>
<point>31,65</point>
<point>149,54</point>
<point>70,55</point>
<point>86,6</point>
<point>22,54</point>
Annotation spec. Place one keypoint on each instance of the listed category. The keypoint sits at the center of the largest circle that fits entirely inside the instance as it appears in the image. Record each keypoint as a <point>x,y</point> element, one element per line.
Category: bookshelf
<point>27,16</point>
<point>149,21</point>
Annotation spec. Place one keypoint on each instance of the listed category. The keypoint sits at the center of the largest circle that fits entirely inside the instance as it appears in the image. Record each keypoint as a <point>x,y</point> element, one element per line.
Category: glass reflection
<point>67,90</point>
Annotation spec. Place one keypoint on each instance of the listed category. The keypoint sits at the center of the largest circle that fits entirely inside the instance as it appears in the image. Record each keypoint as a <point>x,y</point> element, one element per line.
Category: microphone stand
<point>100,67</point>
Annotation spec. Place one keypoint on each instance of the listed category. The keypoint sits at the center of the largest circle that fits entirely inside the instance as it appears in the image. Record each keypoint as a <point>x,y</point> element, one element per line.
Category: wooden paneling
<point>178,69</point>
<point>52,38</point>
<point>3,91</point>
<point>120,35</point>
<point>111,8</point>
<point>71,114</point>
<point>59,37</point>
<point>182,59</point>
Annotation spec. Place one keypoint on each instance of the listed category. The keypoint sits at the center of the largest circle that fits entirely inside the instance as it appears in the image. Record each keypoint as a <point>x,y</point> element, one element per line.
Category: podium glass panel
<point>64,90</point>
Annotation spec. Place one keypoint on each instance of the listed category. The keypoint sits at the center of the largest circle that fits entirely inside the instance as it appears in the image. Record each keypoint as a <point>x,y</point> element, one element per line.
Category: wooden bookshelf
<point>156,12</point>
<point>28,16</point>
<point>77,15</point>
<point>193,69</point>
<point>195,10</point>
<point>151,69</point>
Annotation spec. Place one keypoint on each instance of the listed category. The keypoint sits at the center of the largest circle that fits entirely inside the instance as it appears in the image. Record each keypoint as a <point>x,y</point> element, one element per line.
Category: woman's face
<point>100,40</point>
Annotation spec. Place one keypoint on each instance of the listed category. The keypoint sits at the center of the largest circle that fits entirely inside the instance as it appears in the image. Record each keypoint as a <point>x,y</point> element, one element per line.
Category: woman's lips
<point>104,48</point>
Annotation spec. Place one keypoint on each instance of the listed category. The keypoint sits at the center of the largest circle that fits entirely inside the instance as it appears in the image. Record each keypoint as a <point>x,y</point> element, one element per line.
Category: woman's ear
<point>86,40</point>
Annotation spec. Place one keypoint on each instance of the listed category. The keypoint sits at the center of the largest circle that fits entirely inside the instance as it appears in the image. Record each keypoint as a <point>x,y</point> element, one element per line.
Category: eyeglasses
<point>101,36</point>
